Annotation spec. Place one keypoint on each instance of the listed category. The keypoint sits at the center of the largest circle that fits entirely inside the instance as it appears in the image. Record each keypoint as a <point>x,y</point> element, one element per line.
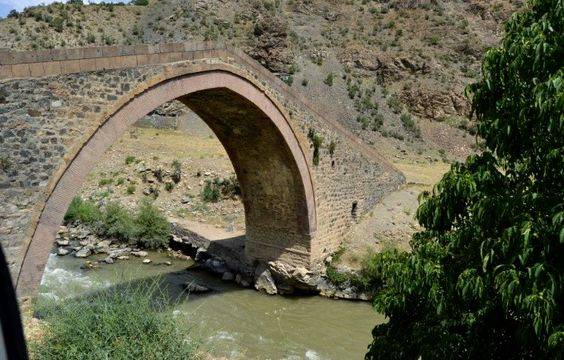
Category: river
<point>233,322</point>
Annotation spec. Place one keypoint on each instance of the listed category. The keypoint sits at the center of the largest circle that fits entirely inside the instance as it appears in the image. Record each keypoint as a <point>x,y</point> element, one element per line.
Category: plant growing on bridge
<point>316,142</point>
<point>484,279</point>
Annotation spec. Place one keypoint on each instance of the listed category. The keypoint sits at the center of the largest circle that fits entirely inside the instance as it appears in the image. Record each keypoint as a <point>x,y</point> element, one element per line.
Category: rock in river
<point>194,288</point>
<point>82,253</point>
<point>264,281</point>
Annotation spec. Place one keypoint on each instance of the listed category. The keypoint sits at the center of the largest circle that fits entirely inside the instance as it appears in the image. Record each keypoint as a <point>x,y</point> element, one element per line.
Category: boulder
<point>63,242</point>
<point>194,288</point>
<point>146,261</point>
<point>83,253</point>
<point>201,253</point>
<point>62,251</point>
<point>227,276</point>
<point>109,260</point>
<point>118,253</point>
<point>139,253</point>
<point>264,281</point>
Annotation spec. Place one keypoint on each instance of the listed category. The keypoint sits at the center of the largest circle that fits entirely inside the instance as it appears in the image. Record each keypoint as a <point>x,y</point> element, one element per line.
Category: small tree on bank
<point>484,279</point>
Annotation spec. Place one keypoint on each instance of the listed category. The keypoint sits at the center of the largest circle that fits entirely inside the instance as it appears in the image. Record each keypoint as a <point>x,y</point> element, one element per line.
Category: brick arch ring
<point>193,88</point>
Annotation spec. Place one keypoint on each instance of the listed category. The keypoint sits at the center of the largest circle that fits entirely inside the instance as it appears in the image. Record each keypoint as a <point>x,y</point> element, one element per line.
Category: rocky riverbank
<point>224,258</point>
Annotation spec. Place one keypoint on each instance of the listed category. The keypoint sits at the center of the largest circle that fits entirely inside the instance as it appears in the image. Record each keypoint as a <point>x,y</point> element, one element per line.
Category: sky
<point>7,5</point>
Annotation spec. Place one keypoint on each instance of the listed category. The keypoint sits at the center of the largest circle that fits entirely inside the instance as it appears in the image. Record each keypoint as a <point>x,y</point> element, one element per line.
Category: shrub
<point>230,188</point>
<point>57,24</point>
<point>153,229</point>
<point>118,222</point>
<point>176,171</point>
<point>84,211</point>
<point>329,79</point>
<point>105,181</point>
<point>141,2</point>
<point>130,189</point>
<point>211,192</point>
<point>130,159</point>
<point>169,186</point>
<point>316,142</point>
<point>132,322</point>
<point>409,124</point>
<point>90,38</point>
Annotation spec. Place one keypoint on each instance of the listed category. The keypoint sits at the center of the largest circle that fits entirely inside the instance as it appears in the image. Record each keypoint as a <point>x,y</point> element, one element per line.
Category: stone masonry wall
<point>51,102</point>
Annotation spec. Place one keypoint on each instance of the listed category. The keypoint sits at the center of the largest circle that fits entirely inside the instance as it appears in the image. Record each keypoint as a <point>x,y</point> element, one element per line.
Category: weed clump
<point>133,322</point>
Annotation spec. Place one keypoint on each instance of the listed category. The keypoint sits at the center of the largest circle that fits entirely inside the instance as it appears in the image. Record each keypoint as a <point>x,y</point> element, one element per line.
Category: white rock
<point>139,253</point>
<point>62,251</point>
<point>146,261</point>
<point>227,276</point>
<point>82,253</point>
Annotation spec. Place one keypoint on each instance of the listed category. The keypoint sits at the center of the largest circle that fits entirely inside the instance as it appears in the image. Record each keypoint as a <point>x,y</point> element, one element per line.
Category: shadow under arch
<point>276,183</point>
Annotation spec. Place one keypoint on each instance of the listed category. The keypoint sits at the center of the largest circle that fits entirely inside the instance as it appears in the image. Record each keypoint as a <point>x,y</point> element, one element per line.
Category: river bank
<point>233,322</point>
<point>206,247</point>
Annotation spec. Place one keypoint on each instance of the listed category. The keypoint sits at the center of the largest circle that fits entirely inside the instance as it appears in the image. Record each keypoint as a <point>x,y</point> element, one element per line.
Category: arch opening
<point>277,190</point>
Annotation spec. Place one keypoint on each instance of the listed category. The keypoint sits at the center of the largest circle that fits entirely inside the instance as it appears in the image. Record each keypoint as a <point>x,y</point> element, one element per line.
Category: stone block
<point>110,51</point>
<point>70,66</point>
<point>36,69</point>
<point>20,70</point>
<point>52,67</point>
<point>87,64</point>
<point>5,71</point>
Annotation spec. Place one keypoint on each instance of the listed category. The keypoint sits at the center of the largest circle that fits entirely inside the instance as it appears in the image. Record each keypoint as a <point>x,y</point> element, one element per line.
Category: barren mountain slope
<point>391,71</point>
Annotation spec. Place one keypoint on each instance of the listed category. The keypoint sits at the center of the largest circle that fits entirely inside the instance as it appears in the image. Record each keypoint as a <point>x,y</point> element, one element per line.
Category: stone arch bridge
<point>61,109</point>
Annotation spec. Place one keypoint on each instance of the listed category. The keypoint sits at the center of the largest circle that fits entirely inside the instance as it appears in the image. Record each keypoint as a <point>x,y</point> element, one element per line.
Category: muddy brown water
<point>233,322</point>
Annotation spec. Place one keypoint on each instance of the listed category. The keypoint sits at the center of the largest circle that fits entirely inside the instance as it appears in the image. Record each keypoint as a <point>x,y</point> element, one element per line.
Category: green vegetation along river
<point>232,322</point>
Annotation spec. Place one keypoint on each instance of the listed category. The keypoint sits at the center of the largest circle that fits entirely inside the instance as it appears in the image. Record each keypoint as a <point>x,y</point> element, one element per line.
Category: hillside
<point>393,72</point>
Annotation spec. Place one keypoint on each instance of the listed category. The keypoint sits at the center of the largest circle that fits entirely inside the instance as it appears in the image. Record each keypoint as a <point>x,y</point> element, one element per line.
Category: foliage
<point>176,171</point>
<point>118,222</point>
<point>130,159</point>
<point>316,143</point>
<point>130,189</point>
<point>153,229</point>
<point>211,192</point>
<point>409,124</point>
<point>484,279</point>
<point>140,2</point>
<point>147,227</point>
<point>329,79</point>
<point>83,211</point>
<point>366,280</point>
<point>218,188</point>
<point>132,322</point>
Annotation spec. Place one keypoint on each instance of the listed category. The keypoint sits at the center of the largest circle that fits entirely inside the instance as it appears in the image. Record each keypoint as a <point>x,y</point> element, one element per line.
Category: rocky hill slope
<point>392,71</point>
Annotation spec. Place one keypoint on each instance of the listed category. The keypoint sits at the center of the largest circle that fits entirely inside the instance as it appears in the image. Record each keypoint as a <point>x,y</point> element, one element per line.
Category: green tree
<point>484,278</point>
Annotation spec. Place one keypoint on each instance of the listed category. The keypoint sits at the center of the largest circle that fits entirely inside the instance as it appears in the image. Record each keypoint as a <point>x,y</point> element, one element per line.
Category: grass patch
<point>105,181</point>
<point>133,322</point>
<point>130,189</point>
<point>130,159</point>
